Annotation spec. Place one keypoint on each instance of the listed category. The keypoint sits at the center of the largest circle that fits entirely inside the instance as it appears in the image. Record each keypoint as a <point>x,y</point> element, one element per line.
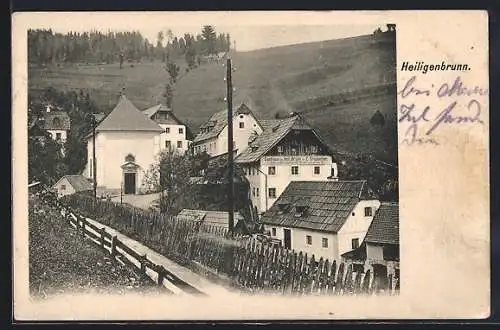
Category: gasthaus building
<point>287,150</point>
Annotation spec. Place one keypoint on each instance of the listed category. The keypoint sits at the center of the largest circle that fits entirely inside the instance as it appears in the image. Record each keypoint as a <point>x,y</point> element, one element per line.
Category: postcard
<point>250,165</point>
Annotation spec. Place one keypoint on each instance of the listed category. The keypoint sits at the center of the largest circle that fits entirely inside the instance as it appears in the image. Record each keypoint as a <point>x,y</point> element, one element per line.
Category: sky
<point>250,30</point>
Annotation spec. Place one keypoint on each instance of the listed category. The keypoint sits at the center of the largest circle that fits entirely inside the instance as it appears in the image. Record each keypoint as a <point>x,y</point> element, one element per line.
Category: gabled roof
<point>126,117</point>
<point>268,123</point>
<point>78,182</point>
<point>384,228</point>
<point>271,136</point>
<point>56,120</point>
<point>328,204</point>
<point>218,122</point>
<point>213,218</point>
<point>171,120</point>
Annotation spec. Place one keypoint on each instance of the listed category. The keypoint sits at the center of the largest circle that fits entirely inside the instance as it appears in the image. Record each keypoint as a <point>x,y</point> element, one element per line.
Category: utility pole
<point>94,174</point>
<point>230,145</point>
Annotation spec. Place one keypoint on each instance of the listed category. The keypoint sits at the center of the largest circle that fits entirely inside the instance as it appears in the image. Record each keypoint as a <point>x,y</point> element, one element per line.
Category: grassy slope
<point>273,79</point>
<point>60,262</point>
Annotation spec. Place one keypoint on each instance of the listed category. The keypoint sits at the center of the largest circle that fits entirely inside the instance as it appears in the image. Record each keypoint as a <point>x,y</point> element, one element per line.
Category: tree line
<point>46,46</point>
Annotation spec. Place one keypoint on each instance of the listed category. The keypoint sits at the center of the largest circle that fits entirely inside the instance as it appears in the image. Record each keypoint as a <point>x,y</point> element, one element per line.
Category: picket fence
<point>249,264</point>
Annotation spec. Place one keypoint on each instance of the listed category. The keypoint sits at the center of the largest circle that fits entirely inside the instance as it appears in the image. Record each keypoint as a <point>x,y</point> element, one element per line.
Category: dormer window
<point>300,210</point>
<point>56,122</point>
<point>283,206</point>
<point>253,148</point>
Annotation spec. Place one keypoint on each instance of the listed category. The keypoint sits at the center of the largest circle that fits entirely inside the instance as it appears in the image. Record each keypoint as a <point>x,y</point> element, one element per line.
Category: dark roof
<point>328,204</point>
<point>268,123</point>
<point>172,118</point>
<point>271,136</point>
<point>214,218</point>
<point>78,182</point>
<point>126,117</point>
<point>218,121</point>
<point>384,228</point>
<point>56,120</point>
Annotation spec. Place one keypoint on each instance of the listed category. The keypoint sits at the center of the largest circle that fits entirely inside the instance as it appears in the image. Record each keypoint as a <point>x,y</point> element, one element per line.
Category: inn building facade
<point>287,150</point>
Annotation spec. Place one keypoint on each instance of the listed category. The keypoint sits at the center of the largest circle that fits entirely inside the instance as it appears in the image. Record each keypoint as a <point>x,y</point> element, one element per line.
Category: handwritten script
<point>464,108</point>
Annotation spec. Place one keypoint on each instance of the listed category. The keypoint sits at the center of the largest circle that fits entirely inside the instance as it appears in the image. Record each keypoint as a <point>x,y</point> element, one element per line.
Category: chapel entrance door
<point>129,179</point>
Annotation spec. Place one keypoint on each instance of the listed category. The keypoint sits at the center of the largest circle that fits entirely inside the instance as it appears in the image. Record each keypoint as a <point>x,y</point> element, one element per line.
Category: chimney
<point>48,108</point>
<point>334,173</point>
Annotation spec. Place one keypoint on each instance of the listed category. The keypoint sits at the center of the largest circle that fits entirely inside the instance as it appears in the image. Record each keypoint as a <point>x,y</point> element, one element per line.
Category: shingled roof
<point>171,120</point>
<point>271,136</point>
<point>78,182</point>
<point>327,203</point>
<point>56,120</point>
<point>126,117</point>
<point>218,122</point>
<point>384,228</point>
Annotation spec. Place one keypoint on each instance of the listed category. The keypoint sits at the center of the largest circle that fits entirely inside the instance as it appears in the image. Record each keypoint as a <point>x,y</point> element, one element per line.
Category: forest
<point>48,47</point>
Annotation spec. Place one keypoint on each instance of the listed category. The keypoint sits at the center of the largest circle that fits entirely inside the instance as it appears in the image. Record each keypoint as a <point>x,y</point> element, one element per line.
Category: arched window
<point>56,122</point>
<point>130,158</point>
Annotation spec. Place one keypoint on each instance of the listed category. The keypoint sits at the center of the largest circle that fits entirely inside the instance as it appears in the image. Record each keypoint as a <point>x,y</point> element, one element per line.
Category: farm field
<point>61,262</point>
<point>271,81</point>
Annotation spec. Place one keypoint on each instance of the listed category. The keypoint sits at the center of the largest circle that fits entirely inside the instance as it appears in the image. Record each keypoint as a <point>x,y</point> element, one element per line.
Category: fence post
<point>113,246</point>
<point>103,232</point>
<point>161,274</point>
<point>83,227</point>
<point>143,263</point>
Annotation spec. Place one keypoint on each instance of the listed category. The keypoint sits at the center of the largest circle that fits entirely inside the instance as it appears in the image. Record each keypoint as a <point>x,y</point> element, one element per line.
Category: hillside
<point>303,77</point>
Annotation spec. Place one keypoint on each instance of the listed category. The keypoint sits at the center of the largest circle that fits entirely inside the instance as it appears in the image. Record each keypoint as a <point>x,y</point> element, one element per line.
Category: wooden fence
<point>249,264</point>
<point>119,250</point>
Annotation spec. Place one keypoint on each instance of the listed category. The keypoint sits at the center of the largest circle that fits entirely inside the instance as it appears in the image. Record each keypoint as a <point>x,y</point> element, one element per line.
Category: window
<point>56,122</point>
<point>355,243</point>
<point>314,149</point>
<point>181,130</point>
<point>63,187</point>
<point>273,231</point>
<point>324,242</point>
<point>242,125</point>
<point>353,214</point>
<point>309,240</point>
<point>257,192</point>
<point>316,170</point>
<point>167,144</point>
<point>368,211</point>
<point>280,149</point>
<point>58,136</point>
<point>295,170</point>
<point>272,192</point>
<point>253,192</point>
<point>271,170</point>
<point>167,130</point>
<point>179,144</point>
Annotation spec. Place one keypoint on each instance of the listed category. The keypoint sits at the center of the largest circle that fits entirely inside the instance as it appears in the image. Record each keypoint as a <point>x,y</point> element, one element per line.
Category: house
<point>322,218</point>
<point>176,135</point>
<point>70,184</point>
<point>219,219</point>
<point>381,243</point>
<point>287,150</point>
<point>57,124</point>
<point>212,136</point>
<point>127,143</point>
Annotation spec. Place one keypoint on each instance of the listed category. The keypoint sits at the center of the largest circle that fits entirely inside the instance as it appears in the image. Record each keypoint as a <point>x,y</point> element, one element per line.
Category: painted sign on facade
<point>306,160</point>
